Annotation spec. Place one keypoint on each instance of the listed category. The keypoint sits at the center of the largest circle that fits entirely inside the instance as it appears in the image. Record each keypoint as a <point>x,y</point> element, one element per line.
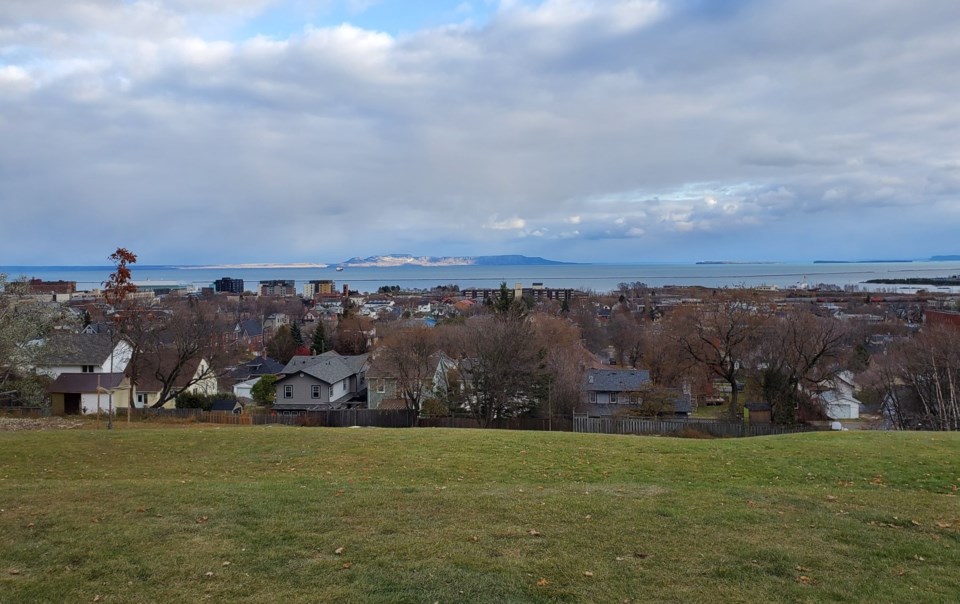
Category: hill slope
<point>260,514</point>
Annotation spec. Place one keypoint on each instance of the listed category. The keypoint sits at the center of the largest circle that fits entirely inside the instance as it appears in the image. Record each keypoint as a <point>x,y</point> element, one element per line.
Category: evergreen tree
<point>296,334</point>
<point>319,343</point>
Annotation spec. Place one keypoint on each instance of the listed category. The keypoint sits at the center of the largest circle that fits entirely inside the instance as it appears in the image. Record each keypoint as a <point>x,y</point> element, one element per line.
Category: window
<point>141,399</point>
<point>634,398</point>
<point>288,392</point>
<point>593,397</point>
<point>381,386</point>
<point>315,391</point>
<point>613,398</point>
<point>87,369</point>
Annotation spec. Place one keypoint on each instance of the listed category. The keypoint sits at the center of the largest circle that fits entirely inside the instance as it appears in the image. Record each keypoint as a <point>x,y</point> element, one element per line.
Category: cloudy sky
<point>199,131</point>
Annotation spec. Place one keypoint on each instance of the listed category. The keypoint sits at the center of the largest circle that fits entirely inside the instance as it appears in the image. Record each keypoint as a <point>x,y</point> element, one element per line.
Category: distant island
<point>735,262</point>
<point>861,261</point>
<point>944,258</point>
<point>395,260</point>
<point>940,281</point>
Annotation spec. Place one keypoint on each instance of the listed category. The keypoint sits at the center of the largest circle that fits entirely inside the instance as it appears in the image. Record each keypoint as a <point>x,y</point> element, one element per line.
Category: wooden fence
<point>544,424</point>
<point>610,425</point>
<point>338,418</point>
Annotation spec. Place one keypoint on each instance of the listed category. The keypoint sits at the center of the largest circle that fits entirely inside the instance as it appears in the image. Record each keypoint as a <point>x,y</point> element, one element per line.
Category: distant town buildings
<point>228,285</point>
<point>322,286</point>
<point>38,286</point>
<point>278,287</point>
<point>537,292</point>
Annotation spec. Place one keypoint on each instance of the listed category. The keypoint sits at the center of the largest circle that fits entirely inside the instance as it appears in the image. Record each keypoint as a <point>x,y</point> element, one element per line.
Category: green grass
<point>436,515</point>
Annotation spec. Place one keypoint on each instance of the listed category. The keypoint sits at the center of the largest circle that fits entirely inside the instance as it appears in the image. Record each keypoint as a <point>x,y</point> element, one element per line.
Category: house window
<point>288,392</point>
<point>593,397</point>
<point>315,391</point>
<point>87,369</point>
<point>141,399</point>
<point>381,386</point>
<point>613,398</point>
<point>634,398</point>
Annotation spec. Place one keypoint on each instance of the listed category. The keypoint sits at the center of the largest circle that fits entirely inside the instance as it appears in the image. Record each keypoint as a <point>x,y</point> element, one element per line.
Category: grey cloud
<point>783,112</point>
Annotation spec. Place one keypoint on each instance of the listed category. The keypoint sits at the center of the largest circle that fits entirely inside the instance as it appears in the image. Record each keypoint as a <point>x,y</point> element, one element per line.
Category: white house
<point>837,399</point>
<point>84,353</point>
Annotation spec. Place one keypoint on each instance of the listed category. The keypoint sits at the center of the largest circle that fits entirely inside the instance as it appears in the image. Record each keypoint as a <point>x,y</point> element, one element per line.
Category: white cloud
<point>506,225</point>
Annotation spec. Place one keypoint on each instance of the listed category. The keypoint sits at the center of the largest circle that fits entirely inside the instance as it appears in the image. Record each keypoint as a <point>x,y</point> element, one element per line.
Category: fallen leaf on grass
<point>338,551</point>
<point>97,598</point>
<point>474,538</point>
<point>805,580</point>
<point>14,571</point>
<point>202,519</point>
<point>533,533</point>
<point>542,582</point>
<point>801,569</point>
<point>587,573</point>
<point>209,573</point>
<point>346,565</point>
<point>943,525</point>
<point>831,497</point>
<point>640,555</point>
<point>225,563</point>
<point>30,525</point>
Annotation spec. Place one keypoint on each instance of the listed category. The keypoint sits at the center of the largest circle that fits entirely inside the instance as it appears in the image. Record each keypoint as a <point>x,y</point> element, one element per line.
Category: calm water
<point>597,277</point>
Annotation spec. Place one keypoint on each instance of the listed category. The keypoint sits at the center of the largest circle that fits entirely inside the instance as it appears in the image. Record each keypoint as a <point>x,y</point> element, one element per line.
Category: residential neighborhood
<point>628,353</point>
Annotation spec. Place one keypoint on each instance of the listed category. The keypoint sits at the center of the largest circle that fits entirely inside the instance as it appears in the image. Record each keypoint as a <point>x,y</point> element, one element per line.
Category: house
<point>325,381</point>
<point>837,399</point>
<point>760,413</point>
<point>249,334</point>
<point>244,377</point>
<point>84,353</point>
<point>76,393</point>
<point>196,377</point>
<point>611,391</point>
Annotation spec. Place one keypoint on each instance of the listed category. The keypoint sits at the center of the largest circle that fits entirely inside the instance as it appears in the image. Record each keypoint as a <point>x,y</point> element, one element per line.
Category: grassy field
<point>282,514</point>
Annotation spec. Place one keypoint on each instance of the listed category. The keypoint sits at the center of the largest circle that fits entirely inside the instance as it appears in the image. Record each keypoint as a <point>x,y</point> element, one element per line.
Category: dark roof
<point>616,380</point>
<point>256,367</point>
<point>250,328</point>
<point>758,406</point>
<point>224,406</point>
<point>78,349</point>
<point>328,367</point>
<point>79,383</point>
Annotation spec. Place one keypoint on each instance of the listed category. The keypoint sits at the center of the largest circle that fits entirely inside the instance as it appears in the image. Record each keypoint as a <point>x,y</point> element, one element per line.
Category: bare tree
<point>797,353</point>
<point>500,364</point>
<point>924,380</point>
<point>626,336</point>
<point>564,358</point>
<point>721,337</point>
<point>186,345</point>
<point>409,353</point>
<point>24,325</point>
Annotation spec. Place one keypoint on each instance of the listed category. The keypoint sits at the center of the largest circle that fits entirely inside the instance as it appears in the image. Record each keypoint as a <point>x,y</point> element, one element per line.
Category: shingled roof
<point>79,383</point>
<point>78,349</point>
<point>329,367</point>
<point>616,380</point>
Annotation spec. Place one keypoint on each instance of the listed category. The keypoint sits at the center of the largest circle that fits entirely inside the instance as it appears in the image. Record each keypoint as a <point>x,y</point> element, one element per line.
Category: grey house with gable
<point>320,382</point>
<point>610,391</point>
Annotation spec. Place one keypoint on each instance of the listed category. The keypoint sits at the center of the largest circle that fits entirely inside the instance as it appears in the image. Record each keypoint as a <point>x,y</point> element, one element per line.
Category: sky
<point>202,131</point>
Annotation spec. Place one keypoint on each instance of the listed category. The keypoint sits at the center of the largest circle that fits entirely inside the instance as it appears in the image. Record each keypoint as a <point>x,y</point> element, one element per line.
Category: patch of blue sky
<point>395,17</point>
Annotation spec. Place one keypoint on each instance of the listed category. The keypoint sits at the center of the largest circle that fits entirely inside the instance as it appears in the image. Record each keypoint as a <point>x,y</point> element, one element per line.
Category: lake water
<point>596,277</point>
